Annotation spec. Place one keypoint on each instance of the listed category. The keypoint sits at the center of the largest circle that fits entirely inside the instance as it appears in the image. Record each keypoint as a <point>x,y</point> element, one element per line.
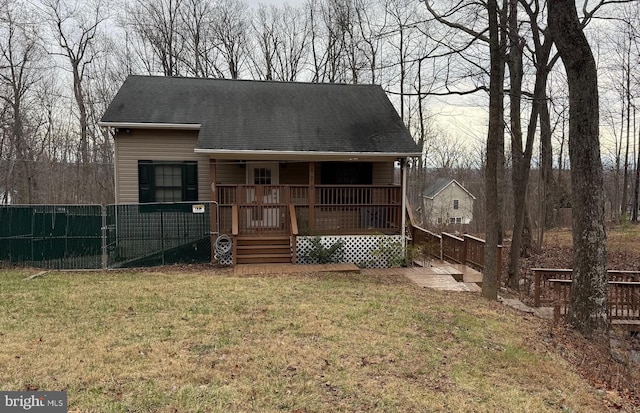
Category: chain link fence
<point>112,236</point>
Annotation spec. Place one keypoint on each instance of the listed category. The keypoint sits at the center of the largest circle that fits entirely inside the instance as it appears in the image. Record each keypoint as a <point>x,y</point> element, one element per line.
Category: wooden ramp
<point>461,272</point>
<point>439,276</point>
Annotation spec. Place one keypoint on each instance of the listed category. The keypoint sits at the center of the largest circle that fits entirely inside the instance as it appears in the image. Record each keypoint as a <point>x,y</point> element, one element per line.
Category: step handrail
<point>294,232</point>
<point>294,219</point>
<point>234,220</point>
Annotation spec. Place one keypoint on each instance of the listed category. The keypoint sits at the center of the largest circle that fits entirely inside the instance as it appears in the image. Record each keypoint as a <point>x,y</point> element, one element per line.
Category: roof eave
<point>142,125</point>
<point>247,154</point>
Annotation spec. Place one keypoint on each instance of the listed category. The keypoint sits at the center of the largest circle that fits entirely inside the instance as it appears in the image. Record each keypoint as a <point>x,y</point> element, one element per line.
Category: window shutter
<point>190,181</point>
<point>146,192</point>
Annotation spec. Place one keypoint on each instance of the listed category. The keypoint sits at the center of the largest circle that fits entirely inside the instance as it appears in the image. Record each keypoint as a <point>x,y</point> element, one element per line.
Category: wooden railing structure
<point>553,287</point>
<point>431,240</point>
<point>542,287</point>
<point>465,249</point>
<point>294,232</point>
<point>321,209</point>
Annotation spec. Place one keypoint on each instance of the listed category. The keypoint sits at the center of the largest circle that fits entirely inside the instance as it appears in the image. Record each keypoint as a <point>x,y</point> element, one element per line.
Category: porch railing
<point>322,209</point>
<point>543,286</point>
<point>468,250</point>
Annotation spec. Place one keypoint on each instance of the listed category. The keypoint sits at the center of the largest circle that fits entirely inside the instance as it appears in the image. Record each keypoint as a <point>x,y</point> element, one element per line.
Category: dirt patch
<point>613,369</point>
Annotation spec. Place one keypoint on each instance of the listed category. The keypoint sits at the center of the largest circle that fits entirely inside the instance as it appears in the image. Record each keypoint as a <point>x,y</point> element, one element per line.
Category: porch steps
<point>263,250</point>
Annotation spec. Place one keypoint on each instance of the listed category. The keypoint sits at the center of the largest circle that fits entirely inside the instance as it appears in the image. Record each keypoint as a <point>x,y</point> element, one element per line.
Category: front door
<point>264,195</point>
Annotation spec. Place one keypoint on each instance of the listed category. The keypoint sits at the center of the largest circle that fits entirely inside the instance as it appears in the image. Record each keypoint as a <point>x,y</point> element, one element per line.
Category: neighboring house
<point>447,202</point>
<point>272,155</point>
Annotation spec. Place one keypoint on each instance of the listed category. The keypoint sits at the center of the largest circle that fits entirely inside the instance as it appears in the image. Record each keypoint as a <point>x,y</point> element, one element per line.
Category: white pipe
<point>403,165</point>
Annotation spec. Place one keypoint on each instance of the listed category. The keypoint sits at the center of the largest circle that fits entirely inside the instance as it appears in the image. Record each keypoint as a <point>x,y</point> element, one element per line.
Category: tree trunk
<point>495,140</point>
<point>520,162</point>
<point>551,195</point>
<point>636,186</point>
<point>588,309</point>
<point>625,182</point>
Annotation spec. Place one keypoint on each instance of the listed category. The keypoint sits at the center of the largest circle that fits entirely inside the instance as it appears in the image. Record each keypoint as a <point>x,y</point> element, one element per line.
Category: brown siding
<point>155,145</point>
<point>383,173</point>
<point>231,173</point>
<point>294,173</point>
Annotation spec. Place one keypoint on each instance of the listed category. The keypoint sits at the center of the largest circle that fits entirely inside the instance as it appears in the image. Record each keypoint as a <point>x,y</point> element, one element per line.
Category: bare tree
<point>588,309</point>
<point>75,31</point>
<point>19,55</point>
<point>520,157</point>
<point>495,144</point>
<point>230,30</point>
<point>157,23</point>
<point>282,37</point>
<point>292,54</point>
<point>75,28</point>
<point>327,32</point>
<point>268,39</point>
<point>472,28</point>
<point>198,52</point>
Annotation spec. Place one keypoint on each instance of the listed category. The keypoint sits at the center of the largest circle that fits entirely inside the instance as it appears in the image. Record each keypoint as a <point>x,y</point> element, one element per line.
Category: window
<point>262,176</point>
<point>160,181</point>
<point>455,204</point>
<point>346,173</point>
<point>439,220</point>
<point>457,220</point>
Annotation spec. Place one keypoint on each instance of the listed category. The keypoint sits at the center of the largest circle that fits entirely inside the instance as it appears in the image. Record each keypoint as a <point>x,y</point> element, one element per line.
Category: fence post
<point>162,233</point>
<point>536,288</point>
<point>556,301</point>
<point>499,263</point>
<point>465,247</point>
<point>103,211</point>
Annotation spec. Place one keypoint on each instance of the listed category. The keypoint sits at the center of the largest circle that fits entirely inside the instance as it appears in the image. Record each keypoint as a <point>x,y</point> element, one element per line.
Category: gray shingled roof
<point>240,115</point>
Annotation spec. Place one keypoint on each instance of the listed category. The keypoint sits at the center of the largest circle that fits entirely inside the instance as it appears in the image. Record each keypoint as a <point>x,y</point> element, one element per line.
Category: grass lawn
<point>207,342</point>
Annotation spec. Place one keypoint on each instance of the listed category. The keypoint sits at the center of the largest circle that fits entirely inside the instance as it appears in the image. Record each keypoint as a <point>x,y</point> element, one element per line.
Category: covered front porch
<point>265,206</point>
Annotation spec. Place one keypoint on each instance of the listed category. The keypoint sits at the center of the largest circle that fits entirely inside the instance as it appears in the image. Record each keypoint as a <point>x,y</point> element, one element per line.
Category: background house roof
<point>242,115</point>
<point>441,183</point>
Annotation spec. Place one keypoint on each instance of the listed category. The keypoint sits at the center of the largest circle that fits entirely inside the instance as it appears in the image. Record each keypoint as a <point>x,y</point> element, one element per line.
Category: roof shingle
<point>241,115</point>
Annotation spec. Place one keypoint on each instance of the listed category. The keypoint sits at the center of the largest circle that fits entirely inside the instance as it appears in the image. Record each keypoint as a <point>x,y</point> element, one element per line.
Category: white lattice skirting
<point>366,251</point>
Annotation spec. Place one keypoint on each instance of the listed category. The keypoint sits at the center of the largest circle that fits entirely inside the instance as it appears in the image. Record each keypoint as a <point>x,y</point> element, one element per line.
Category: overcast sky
<point>253,3</point>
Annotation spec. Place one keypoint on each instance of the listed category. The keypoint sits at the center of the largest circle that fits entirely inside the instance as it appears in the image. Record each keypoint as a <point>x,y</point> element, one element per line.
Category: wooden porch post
<point>312,196</point>
<point>213,210</point>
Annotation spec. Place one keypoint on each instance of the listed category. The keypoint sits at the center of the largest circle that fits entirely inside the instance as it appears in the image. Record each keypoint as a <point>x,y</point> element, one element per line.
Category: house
<point>447,202</point>
<point>280,161</point>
